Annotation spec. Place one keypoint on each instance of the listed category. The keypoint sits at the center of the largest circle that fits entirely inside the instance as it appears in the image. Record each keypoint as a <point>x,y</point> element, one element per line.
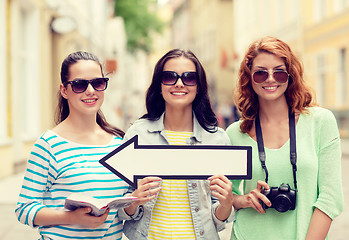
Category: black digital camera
<point>282,198</point>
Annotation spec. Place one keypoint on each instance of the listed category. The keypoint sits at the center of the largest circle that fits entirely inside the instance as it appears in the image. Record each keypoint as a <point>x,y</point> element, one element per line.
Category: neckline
<point>172,131</point>
<point>82,144</point>
<point>285,144</point>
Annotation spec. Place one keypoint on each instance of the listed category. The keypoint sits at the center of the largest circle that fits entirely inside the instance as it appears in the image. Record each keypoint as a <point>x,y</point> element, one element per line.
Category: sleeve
<point>40,174</point>
<point>220,225</point>
<point>136,216</point>
<point>330,198</point>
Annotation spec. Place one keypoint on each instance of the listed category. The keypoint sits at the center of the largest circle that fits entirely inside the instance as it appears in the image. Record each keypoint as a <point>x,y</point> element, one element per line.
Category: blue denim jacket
<point>203,205</point>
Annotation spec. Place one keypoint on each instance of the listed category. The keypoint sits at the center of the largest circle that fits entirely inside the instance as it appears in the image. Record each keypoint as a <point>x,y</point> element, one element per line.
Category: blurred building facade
<point>326,55</point>
<point>26,65</point>
<point>162,42</point>
<point>207,28</point>
<point>36,35</point>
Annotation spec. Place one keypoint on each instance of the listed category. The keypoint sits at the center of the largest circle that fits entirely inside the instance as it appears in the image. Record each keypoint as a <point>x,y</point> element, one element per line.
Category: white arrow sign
<point>131,161</point>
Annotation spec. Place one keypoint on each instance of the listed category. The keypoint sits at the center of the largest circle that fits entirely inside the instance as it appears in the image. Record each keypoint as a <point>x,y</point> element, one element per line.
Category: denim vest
<point>202,204</point>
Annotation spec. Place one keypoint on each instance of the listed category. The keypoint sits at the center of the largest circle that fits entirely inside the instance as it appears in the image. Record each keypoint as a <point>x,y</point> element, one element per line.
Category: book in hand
<point>98,206</point>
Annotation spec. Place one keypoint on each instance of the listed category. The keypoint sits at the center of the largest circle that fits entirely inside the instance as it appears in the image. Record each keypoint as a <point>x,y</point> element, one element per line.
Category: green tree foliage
<point>140,21</point>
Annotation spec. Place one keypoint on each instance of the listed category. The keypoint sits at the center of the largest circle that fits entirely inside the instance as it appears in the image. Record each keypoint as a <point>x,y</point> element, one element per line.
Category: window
<point>320,10</point>
<point>341,78</point>
<point>25,71</point>
<point>340,5</point>
<point>321,80</point>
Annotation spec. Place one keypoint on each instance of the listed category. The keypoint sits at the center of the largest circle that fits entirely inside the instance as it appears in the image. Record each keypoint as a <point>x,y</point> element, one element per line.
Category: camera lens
<point>282,203</point>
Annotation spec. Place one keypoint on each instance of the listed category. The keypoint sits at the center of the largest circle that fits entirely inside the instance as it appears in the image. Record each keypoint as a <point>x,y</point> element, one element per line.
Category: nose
<point>179,82</point>
<point>270,75</point>
<point>89,89</point>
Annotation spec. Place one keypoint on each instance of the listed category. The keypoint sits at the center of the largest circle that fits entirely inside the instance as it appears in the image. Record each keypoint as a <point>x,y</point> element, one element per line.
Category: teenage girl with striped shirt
<point>64,160</point>
<point>179,113</point>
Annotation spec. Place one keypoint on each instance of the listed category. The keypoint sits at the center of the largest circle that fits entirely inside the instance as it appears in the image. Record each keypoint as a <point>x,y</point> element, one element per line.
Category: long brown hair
<point>63,107</point>
<point>298,94</point>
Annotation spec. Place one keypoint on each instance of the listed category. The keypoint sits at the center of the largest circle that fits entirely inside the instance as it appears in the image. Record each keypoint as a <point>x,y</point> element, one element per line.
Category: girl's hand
<point>221,187</point>
<point>253,198</point>
<point>147,189</point>
<point>82,217</point>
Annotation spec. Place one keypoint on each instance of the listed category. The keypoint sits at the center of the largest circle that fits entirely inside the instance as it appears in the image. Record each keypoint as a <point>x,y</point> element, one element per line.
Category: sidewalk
<point>11,229</point>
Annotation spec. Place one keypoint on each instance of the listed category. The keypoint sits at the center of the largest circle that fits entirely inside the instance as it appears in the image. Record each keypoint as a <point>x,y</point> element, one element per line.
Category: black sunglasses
<point>171,78</point>
<point>279,75</point>
<point>80,85</point>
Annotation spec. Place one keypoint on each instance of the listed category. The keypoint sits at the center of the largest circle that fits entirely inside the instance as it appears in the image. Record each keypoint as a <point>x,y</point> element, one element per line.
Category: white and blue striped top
<point>56,168</point>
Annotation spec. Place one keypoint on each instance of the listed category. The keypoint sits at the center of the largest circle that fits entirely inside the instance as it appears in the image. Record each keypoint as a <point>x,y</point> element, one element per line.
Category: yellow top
<point>171,217</point>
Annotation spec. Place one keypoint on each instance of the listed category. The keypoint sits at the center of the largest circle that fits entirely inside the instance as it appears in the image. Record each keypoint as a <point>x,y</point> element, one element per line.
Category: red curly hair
<point>298,95</point>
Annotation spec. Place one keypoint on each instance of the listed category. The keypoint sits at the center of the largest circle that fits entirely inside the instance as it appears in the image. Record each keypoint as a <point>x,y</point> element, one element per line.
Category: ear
<point>63,91</point>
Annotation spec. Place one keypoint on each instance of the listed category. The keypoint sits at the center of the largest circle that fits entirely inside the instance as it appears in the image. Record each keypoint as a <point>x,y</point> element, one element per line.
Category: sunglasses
<point>80,85</point>
<point>171,78</point>
<point>279,75</point>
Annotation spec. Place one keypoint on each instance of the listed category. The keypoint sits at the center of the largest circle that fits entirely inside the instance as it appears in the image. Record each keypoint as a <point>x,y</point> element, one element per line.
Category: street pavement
<point>11,229</point>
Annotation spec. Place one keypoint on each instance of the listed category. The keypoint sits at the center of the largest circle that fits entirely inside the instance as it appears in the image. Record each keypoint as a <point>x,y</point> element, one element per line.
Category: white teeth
<point>270,88</point>
<point>89,101</point>
<point>178,93</point>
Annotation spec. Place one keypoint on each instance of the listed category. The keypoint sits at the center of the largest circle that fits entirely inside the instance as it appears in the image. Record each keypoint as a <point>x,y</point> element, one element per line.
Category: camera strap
<point>293,151</point>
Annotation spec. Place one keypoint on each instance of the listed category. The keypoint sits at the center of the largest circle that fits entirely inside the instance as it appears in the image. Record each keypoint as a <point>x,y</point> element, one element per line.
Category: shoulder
<point>218,137</point>
<point>321,115</point>
<point>234,128</point>
<point>49,137</point>
<point>139,127</point>
<point>140,124</point>
<point>319,111</point>
<point>45,144</point>
<point>322,123</point>
<point>236,136</point>
<point>222,133</point>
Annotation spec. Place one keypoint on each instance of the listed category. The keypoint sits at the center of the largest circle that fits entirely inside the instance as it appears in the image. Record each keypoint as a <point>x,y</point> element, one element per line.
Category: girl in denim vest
<point>179,113</point>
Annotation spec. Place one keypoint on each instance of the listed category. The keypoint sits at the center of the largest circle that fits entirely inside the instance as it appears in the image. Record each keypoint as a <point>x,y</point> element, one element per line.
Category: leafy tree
<point>140,21</point>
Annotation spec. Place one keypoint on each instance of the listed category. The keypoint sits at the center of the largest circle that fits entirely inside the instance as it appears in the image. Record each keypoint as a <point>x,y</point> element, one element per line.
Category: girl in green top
<point>271,91</point>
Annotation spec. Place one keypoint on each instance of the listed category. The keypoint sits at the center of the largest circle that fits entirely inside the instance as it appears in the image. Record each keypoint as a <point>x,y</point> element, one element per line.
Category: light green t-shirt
<point>318,178</point>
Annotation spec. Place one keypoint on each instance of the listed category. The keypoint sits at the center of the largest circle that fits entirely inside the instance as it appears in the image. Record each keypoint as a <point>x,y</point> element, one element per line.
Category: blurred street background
<point>129,36</point>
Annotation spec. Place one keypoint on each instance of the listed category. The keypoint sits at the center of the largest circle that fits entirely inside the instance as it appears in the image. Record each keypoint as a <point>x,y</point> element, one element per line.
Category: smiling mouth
<point>270,88</point>
<point>178,93</point>
<point>89,100</point>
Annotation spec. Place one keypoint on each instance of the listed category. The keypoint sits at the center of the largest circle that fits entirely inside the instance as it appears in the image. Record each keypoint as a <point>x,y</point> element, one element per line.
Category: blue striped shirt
<point>56,168</point>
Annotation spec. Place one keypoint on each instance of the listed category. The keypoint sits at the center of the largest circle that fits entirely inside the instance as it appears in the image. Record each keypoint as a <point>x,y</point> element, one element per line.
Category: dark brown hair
<point>155,102</point>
